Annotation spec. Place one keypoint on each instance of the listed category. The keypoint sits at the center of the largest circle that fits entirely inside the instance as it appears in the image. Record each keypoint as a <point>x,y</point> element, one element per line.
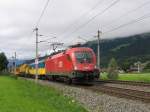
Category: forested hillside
<point>126,51</point>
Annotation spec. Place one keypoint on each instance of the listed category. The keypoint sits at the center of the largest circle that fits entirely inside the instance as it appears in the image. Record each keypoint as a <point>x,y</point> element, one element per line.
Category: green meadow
<point>18,95</point>
<point>143,77</point>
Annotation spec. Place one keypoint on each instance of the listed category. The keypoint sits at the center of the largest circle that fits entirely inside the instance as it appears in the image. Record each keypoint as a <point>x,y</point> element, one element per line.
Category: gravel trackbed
<point>98,102</point>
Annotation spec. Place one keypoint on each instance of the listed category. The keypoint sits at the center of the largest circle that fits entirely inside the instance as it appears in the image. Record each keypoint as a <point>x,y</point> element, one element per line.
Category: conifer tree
<point>112,69</point>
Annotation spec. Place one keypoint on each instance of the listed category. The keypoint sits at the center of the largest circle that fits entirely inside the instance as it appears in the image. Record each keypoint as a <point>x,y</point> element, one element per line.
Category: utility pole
<point>15,63</point>
<point>98,49</point>
<point>36,59</point>
<point>138,65</point>
<point>12,67</point>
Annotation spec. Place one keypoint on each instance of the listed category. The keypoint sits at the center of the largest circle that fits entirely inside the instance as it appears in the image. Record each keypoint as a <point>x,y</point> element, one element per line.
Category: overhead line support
<point>36,59</point>
<point>98,49</point>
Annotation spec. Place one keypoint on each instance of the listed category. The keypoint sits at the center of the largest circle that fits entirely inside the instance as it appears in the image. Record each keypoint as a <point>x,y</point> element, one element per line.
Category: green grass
<point>17,95</point>
<point>144,77</point>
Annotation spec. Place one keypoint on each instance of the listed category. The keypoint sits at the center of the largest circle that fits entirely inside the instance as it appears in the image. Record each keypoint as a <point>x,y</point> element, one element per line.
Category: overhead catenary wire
<point>40,17</point>
<point>129,23</point>
<point>31,33</point>
<point>80,17</point>
<point>50,37</point>
<point>36,45</point>
<point>98,14</point>
<point>125,14</point>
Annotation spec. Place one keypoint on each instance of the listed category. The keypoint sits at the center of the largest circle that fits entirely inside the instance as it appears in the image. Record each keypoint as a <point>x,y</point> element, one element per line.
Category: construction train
<point>75,64</point>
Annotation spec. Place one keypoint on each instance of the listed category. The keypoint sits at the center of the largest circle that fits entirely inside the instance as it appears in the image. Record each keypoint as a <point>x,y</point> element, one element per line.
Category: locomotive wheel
<point>54,78</point>
<point>48,77</point>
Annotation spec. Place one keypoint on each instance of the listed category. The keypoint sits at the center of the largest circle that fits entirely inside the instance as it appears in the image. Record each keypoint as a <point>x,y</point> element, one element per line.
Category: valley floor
<point>143,77</point>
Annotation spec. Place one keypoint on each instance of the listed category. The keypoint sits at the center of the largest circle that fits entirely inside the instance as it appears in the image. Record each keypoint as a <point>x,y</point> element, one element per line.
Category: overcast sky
<point>62,18</point>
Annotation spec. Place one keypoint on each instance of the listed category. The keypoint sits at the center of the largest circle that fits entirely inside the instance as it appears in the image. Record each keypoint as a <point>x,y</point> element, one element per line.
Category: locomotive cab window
<point>84,57</point>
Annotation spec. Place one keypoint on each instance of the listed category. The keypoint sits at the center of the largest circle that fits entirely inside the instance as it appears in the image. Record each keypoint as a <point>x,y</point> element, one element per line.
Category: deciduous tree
<point>3,61</point>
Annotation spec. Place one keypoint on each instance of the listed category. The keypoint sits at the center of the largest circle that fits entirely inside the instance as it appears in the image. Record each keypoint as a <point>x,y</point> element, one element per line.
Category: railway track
<point>121,92</point>
<point>116,91</point>
<point>133,83</point>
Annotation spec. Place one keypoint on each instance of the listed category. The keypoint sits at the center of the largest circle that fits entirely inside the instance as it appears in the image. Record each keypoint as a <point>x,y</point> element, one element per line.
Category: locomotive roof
<point>76,45</point>
<point>69,50</point>
<point>73,47</point>
<point>33,60</point>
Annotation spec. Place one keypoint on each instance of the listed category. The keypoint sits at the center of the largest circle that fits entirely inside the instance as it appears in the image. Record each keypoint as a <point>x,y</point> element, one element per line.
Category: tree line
<point>3,62</point>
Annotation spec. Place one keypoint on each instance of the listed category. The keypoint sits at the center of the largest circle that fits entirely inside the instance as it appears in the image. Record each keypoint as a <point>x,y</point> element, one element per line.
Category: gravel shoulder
<point>98,102</point>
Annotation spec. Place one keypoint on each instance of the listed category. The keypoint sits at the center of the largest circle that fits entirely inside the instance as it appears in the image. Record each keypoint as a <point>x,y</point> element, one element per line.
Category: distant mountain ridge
<point>128,49</point>
<point>18,62</point>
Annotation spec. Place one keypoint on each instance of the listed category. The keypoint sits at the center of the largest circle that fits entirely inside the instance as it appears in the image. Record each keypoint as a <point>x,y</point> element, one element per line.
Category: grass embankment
<point>17,95</point>
<point>143,77</point>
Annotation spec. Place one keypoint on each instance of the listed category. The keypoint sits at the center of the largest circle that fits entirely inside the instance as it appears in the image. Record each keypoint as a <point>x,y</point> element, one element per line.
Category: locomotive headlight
<point>75,67</point>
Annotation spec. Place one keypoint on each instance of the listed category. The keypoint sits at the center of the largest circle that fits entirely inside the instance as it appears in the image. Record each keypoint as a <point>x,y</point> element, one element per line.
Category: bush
<point>147,66</point>
<point>112,69</point>
<point>146,70</point>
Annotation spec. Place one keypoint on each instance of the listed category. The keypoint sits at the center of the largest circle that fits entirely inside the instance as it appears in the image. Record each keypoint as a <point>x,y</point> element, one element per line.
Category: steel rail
<point>134,83</point>
<point>121,92</point>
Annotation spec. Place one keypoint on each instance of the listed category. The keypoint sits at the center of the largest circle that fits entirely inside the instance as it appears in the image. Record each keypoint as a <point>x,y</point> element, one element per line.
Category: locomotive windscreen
<point>84,57</point>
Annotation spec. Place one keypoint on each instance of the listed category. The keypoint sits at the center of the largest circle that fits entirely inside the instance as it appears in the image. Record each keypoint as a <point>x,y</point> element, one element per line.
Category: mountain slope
<point>128,49</point>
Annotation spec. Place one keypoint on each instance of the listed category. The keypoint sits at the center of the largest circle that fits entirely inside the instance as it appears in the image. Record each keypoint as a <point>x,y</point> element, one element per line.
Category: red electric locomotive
<point>73,65</point>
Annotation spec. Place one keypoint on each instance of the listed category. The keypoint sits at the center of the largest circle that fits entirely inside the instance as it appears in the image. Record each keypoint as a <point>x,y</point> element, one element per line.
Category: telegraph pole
<point>36,59</point>
<point>138,65</point>
<point>15,63</point>
<point>98,49</point>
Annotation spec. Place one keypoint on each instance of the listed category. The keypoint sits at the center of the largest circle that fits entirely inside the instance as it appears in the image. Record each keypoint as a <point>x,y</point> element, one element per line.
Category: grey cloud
<point>18,19</point>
